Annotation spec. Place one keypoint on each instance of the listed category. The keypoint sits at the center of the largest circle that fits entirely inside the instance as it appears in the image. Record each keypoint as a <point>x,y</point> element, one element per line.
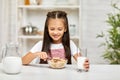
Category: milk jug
<point>11,59</point>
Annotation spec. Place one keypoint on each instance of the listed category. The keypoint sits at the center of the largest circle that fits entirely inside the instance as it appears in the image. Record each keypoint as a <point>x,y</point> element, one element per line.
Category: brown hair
<point>65,39</point>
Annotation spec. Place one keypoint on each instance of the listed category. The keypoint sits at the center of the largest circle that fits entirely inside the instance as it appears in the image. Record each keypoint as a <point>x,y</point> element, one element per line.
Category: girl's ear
<point>65,30</point>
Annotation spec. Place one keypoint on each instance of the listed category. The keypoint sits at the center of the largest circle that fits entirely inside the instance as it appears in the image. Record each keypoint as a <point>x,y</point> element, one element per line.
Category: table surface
<point>43,72</point>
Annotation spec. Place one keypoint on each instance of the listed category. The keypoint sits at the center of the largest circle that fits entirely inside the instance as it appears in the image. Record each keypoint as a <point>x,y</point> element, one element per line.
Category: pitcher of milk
<point>11,59</point>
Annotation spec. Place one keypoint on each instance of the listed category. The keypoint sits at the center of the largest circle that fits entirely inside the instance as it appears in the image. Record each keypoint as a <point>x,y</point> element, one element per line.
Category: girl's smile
<point>56,29</point>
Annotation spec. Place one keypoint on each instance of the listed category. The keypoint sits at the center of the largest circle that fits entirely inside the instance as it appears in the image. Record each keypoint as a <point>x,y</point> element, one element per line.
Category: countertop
<point>44,72</point>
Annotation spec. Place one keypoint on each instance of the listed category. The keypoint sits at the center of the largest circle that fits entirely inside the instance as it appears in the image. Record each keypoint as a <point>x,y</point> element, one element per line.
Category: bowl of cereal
<point>57,63</point>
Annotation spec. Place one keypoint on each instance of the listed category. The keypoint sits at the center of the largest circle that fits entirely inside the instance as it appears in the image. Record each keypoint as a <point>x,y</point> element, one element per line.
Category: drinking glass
<point>82,56</point>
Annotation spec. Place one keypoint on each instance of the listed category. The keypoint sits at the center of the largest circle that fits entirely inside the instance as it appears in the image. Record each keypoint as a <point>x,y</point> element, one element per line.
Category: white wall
<point>4,22</point>
<point>94,15</point>
<point>7,22</point>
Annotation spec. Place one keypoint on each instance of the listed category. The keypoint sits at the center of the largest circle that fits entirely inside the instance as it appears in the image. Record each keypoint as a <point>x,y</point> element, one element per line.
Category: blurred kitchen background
<point>23,21</point>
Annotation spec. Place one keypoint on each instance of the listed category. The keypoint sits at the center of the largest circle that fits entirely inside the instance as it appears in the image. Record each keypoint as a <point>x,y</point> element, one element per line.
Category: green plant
<point>112,39</point>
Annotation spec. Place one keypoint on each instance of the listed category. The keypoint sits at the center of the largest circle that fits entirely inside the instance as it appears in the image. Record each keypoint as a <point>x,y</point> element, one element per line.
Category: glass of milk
<point>82,56</point>
<point>11,59</point>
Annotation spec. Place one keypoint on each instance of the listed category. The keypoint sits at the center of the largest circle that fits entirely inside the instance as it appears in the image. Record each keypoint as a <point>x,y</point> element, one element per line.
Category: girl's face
<point>56,29</point>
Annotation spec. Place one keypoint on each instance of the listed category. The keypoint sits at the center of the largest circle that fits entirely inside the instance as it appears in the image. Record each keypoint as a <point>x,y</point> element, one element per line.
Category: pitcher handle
<point>3,51</point>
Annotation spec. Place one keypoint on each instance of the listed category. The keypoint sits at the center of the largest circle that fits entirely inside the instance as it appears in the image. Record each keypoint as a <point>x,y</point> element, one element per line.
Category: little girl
<point>56,41</point>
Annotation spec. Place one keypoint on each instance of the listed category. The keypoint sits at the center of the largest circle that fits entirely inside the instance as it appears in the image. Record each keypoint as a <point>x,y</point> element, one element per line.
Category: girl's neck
<point>56,42</point>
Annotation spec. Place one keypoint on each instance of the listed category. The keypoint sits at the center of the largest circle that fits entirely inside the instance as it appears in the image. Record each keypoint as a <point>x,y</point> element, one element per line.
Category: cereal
<point>57,63</point>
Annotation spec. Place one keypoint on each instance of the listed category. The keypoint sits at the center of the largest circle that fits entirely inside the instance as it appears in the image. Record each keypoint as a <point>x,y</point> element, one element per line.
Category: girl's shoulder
<point>40,42</point>
<point>37,46</point>
<point>72,42</point>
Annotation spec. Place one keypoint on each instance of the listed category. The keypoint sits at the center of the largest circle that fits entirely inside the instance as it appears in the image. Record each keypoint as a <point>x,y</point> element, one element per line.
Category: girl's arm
<point>30,56</point>
<point>76,56</point>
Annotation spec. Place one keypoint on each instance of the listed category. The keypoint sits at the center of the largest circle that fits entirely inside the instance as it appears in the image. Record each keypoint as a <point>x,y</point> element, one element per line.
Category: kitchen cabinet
<point>36,14</point>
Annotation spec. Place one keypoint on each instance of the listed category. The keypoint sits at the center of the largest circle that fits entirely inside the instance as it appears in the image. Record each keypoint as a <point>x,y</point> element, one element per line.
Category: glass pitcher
<point>11,58</point>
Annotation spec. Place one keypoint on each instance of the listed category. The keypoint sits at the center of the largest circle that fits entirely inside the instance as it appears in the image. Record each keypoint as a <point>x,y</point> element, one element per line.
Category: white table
<point>43,72</point>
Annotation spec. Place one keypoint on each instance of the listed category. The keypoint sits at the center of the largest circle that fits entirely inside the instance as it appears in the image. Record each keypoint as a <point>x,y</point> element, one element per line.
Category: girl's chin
<point>56,39</point>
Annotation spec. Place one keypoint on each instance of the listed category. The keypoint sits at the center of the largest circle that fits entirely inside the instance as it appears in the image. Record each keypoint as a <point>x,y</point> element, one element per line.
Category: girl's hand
<point>42,55</point>
<point>86,64</point>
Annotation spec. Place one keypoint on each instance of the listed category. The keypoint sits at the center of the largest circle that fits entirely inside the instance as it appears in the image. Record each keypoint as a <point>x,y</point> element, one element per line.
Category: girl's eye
<point>52,29</point>
<point>60,29</point>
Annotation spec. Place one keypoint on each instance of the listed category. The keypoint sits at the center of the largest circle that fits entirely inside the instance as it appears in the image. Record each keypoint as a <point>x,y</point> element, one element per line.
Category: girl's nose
<point>55,32</point>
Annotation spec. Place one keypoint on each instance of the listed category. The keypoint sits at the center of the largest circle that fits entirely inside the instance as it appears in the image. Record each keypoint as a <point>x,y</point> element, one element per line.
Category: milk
<point>80,63</point>
<point>12,65</point>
